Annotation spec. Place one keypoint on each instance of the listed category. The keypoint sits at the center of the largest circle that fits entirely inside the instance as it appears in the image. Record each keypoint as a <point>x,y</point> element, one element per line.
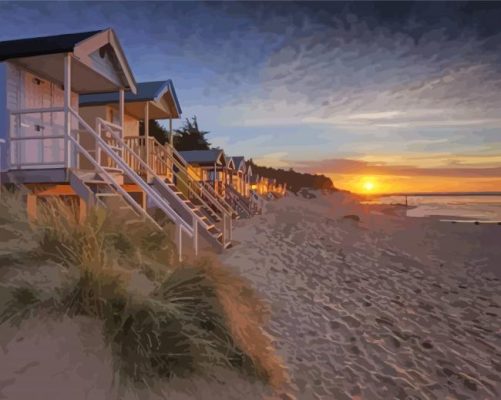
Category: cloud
<point>332,80</point>
<point>359,167</point>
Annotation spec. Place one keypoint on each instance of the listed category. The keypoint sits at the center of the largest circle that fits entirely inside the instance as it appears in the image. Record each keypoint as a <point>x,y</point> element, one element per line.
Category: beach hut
<point>239,178</point>
<point>208,167</point>
<point>40,80</point>
<point>47,138</point>
<point>152,101</point>
<point>248,178</point>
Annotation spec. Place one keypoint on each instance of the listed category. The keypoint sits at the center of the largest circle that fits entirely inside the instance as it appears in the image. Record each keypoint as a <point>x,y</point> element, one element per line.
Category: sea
<point>468,207</point>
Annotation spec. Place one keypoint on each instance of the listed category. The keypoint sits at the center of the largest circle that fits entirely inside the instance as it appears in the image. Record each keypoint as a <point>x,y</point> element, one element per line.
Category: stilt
<point>143,200</point>
<point>31,206</point>
<point>179,242</point>
<point>195,236</point>
<point>82,210</point>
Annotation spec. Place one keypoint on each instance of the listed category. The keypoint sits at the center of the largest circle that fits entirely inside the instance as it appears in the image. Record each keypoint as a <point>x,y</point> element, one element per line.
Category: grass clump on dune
<point>160,318</point>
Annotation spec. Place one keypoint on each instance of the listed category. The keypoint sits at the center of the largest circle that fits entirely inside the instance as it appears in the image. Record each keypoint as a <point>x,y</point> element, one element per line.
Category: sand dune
<point>386,308</point>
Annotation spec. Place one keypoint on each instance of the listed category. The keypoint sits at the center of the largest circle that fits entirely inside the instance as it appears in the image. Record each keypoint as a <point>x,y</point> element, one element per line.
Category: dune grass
<point>193,317</point>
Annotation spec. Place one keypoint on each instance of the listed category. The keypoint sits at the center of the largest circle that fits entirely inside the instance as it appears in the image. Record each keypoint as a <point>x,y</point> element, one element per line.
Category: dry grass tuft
<point>196,317</point>
<point>245,315</point>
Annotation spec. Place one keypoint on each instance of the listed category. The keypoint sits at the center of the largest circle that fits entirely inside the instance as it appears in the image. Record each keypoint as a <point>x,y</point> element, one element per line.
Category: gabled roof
<point>230,164</point>
<point>203,157</point>
<point>146,91</point>
<point>239,162</point>
<point>42,45</point>
<point>81,45</point>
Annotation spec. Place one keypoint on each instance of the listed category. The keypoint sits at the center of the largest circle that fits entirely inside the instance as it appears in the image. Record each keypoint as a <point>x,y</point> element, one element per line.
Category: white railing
<point>27,148</point>
<point>112,182</point>
<point>110,151</point>
<point>155,196</point>
<point>257,201</point>
<point>103,147</point>
<point>237,200</point>
<point>162,160</point>
<point>157,156</point>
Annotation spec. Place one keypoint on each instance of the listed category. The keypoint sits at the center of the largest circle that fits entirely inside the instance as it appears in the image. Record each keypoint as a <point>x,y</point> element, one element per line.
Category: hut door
<point>40,93</point>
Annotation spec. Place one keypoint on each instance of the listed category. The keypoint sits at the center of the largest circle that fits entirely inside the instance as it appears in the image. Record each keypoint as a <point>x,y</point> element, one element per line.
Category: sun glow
<point>368,185</point>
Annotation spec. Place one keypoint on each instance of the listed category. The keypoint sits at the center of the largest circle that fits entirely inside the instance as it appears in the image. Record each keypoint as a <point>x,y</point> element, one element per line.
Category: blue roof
<point>237,160</point>
<point>201,157</point>
<point>37,46</point>
<point>146,91</point>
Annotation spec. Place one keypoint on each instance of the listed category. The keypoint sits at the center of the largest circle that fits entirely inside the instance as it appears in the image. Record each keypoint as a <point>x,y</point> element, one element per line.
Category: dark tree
<point>294,180</point>
<point>190,137</point>
<point>156,130</point>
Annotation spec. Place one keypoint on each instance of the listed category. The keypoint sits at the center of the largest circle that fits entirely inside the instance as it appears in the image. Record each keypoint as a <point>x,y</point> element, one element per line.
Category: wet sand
<point>389,307</point>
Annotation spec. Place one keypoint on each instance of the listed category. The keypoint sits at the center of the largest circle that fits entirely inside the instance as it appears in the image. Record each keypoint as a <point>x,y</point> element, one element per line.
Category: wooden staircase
<point>100,186</point>
<point>210,224</point>
<point>238,202</point>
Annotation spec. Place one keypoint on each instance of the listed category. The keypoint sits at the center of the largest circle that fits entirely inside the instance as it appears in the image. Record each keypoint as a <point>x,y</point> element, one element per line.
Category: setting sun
<point>368,186</point>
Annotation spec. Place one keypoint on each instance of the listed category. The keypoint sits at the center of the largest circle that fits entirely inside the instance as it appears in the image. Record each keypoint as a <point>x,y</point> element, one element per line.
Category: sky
<point>406,96</point>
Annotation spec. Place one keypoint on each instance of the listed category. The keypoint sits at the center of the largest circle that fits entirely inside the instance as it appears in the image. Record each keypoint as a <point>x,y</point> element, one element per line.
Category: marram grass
<point>195,317</point>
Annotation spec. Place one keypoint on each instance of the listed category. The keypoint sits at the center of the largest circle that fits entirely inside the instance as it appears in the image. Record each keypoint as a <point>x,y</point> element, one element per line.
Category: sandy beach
<point>388,307</point>
<point>370,306</point>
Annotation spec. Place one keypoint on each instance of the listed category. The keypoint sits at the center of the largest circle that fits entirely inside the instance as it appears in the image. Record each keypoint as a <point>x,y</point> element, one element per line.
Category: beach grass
<point>185,318</point>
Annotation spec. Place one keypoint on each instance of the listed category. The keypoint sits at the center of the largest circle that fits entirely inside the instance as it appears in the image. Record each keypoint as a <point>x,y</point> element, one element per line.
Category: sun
<point>368,186</point>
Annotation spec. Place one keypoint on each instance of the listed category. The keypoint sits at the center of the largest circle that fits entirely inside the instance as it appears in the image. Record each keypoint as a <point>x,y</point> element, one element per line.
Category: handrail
<point>110,181</point>
<point>111,124</point>
<point>237,199</point>
<point>150,171</point>
<point>212,199</point>
<point>255,197</point>
<point>208,187</point>
<point>132,174</point>
<point>224,212</point>
<point>37,110</point>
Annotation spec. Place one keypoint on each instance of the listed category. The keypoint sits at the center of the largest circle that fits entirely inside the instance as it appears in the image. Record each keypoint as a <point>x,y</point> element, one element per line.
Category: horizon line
<point>483,193</point>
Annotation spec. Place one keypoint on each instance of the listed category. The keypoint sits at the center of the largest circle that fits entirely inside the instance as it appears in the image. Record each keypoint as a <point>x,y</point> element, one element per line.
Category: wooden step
<point>107,194</point>
<point>96,182</point>
<point>113,170</point>
<point>133,221</point>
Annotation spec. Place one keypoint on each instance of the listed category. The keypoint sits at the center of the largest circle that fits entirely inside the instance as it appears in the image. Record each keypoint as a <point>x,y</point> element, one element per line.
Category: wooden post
<point>31,206</point>
<point>215,176</point>
<point>144,200</point>
<point>82,210</point>
<point>98,146</point>
<point>224,228</point>
<point>121,110</point>
<point>67,105</point>
<point>179,241</point>
<point>121,120</point>
<point>195,235</point>
<point>171,133</point>
<point>147,132</point>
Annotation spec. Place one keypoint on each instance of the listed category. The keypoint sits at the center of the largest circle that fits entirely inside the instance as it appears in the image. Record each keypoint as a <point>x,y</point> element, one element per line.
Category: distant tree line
<point>294,180</point>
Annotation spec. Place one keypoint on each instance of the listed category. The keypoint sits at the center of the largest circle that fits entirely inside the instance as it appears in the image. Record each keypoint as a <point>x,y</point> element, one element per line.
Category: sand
<point>389,307</point>
<point>386,307</point>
